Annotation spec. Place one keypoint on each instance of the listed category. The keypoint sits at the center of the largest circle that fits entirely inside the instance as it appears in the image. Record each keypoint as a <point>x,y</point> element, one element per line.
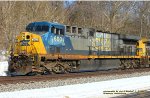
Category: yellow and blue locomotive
<point>47,47</point>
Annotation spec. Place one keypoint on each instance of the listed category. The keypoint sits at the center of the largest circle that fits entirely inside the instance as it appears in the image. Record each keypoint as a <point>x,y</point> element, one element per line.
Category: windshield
<point>38,29</point>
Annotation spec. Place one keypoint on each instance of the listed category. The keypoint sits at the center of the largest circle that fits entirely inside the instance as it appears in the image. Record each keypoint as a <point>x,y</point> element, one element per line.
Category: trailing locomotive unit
<point>53,47</point>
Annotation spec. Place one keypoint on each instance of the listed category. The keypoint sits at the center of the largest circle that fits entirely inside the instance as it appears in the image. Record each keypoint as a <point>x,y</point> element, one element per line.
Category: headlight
<point>35,39</point>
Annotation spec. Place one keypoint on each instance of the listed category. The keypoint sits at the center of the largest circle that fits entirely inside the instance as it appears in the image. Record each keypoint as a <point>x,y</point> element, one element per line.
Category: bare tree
<point>114,16</point>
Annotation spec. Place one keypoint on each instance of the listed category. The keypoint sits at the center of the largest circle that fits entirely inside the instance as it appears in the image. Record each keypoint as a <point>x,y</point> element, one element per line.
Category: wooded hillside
<point>125,17</point>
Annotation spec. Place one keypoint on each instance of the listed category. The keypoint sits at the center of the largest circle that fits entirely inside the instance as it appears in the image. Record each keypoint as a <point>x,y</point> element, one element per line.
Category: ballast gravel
<point>62,82</point>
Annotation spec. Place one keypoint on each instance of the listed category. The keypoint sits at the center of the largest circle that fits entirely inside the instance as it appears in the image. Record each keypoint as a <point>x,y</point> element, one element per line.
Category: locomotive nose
<point>23,43</point>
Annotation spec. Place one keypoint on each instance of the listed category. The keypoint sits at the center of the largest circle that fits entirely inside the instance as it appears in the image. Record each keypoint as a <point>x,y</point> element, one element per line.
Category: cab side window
<point>61,32</point>
<point>57,31</point>
<point>53,30</point>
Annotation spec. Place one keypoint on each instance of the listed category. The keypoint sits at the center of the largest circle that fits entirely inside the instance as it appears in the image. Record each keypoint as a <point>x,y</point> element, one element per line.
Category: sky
<point>68,3</point>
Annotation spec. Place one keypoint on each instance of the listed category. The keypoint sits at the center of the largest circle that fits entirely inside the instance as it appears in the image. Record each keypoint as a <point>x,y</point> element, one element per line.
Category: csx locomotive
<point>47,47</point>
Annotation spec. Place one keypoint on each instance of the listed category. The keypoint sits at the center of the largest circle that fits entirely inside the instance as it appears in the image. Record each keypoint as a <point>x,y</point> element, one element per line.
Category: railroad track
<point>28,79</point>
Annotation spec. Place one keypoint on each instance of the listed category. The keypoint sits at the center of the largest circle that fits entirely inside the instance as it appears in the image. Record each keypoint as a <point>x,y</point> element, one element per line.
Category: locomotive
<point>49,47</point>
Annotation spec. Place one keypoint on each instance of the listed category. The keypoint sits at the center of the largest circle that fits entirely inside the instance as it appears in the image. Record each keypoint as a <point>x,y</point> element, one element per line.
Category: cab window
<point>53,30</point>
<point>41,28</point>
<point>57,31</point>
<point>61,32</point>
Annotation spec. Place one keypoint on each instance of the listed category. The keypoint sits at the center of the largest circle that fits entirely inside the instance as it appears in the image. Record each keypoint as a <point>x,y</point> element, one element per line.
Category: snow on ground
<point>87,90</point>
<point>3,68</point>
<point>3,63</point>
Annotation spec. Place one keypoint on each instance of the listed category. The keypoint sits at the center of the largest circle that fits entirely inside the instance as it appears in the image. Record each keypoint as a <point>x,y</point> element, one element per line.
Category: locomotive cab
<point>38,40</point>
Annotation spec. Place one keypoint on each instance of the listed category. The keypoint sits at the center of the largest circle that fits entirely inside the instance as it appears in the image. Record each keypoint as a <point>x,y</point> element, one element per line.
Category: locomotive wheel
<point>122,65</point>
<point>58,68</point>
<point>126,64</point>
<point>45,71</point>
<point>135,64</point>
<point>68,70</point>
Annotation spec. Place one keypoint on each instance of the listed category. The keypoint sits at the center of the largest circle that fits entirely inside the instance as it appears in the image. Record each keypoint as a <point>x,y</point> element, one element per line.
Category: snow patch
<point>3,68</point>
<point>4,62</point>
